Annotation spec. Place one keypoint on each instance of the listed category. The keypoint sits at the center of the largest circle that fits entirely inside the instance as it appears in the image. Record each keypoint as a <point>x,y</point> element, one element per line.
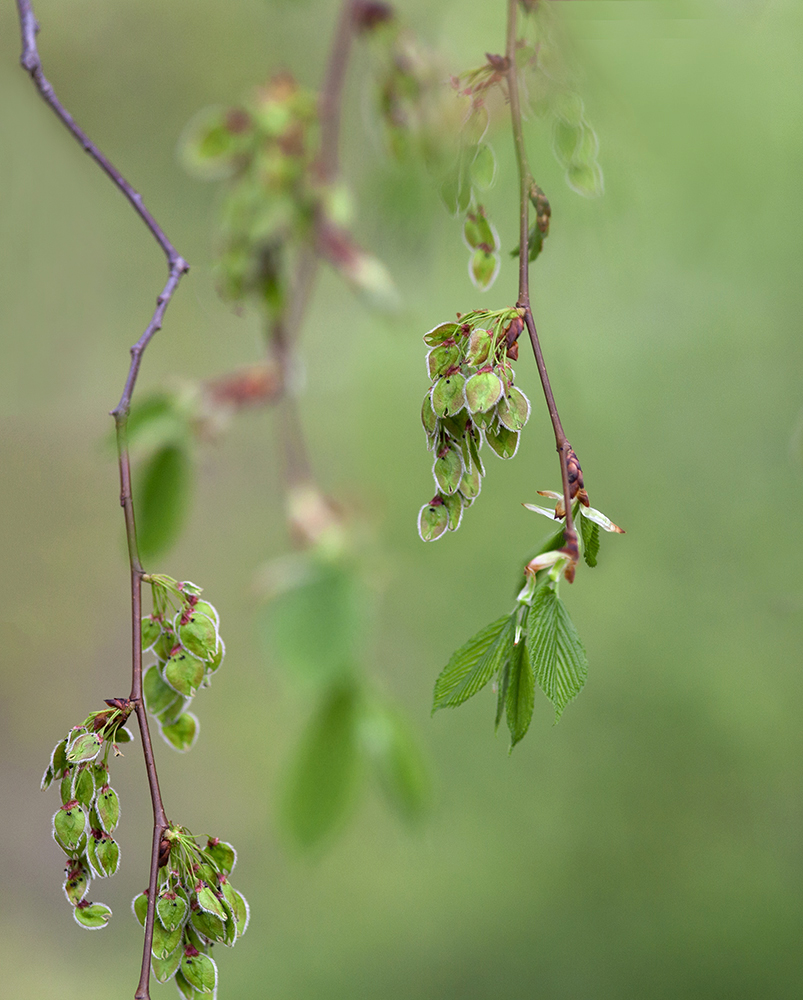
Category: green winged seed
<point>433,520</point>
<point>222,854</point>
<point>502,441</point>
<point>84,787</point>
<point>441,359</point>
<point>210,926</point>
<point>84,748</point>
<point>164,942</point>
<point>198,635</point>
<point>471,231</point>
<point>454,505</point>
<point>104,854</point>
<point>239,906</point>
<point>586,179</point>
<point>448,395</point>
<point>165,968</point>
<point>483,267</point>
<point>448,471</point>
<point>471,484</point>
<point>58,761</point>
<point>428,417</point>
<point>108,808</point>
<point>479,346</point>
<point>483,169</point>
<point>474,442</point>
<point>205,608</point>
<point>185,990</point>
<point>200,971</point>
<point>139,907</point>
<point>92,916</point>
<point>437,335</point>
<point>208,901</point>
<point>483,391</point>
<point>69,827</point>
<point>159,697</point>
<point>513,409</point>
<point>217,659</point>
<point>182,734</point>
<point>76,884</point>
<point>66,786</point>
<point>151,630</point>
<point>184,673</point>
<point>165,644</point>
<point>171,910</point>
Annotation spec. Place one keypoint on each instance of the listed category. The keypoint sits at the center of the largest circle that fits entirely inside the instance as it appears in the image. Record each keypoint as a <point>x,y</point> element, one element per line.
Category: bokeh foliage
<point>650,844</point>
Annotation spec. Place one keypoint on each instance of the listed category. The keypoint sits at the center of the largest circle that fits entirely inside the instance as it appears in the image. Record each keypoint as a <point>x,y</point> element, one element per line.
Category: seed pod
<point>69,828</point>
<point>165,644</point>
<point>182,733</point>
<point>76,884</point>
<point>139,907</point>
<point>84,747</point>
<point>208,901</point>
<point>164,942</point>
<point>455,424</point>
<point>433,520</point>
<point>447,470</point>
<point>479,345</point>
<point>448,396</point>
<point>441,359</point>
<point>471,484</point>
<point>103,854</point>
<point>239,906</point>
<point>165,968</point>
<point>172,908</point>
<point>217,659</point>
<point>198,635</point>
<point>513,409</point>
<point>483,391</point>
<point>92,916</point>
<point>483,267</point>
<point>454,506</point>
<point>428,418</point>
<point>205,608</point>
<point>108,808</point>
<point>208,925</point>
<point>151,630</point>
<point>222,854</point>
<point>474,442</point>
<point>84,786</point>
<point>503,441</point>
<point>199,970</point>
<point>184,673</point>
<point>437,335</point>
<point>184,988</point>
<point>160,699</point>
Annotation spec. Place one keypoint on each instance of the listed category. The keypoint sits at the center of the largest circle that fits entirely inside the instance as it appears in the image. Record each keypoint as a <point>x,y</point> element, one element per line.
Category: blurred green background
<point>648,846</point>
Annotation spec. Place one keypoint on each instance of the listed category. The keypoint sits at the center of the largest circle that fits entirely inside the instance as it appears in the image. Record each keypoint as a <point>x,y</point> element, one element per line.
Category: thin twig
<point>525,181</point>
<point>177,266</point>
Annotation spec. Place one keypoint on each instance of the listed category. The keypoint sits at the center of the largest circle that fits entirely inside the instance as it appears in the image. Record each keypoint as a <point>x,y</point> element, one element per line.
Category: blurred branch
<point>177,266</point>
<point>571,475</point>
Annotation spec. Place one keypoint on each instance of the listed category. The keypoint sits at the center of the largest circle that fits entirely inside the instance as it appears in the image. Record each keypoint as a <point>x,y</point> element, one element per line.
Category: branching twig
<point>525,182</point>
<point>177,266</point>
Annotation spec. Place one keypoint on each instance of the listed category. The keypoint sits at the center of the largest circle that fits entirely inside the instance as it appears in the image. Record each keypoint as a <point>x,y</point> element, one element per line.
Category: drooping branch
<point>569,466</point>
<point>177,266</point>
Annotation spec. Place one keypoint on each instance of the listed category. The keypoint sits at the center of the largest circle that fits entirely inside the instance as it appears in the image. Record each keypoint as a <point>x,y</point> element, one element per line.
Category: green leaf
<point>556,653</point>
<point>323,776</point>
<point>157,422</point>
<point>590,533</point>
<point>316,627</point>
<point>162,499</point>
<point>400,767</point>
<point>520,697</point>
<point>475,663</point>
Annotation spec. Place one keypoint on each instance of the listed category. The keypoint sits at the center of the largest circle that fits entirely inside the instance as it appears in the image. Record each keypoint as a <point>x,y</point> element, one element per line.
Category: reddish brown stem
<point>177,266</point>
<point>525,182</point>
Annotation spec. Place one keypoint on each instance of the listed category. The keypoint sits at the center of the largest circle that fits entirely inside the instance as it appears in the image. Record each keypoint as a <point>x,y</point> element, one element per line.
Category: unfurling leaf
<point>475,663</point>
<point>520,695</point>
<point>162,499</point>
<point>397,758</point>
<point>323,777</point>
<point>556,653</point>
<point>590,533</point>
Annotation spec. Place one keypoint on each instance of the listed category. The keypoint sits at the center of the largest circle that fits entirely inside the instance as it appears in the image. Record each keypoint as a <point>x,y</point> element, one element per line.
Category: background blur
<point>650,845</point>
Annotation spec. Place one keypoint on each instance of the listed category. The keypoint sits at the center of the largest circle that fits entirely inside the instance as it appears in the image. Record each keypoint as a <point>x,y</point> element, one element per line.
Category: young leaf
<point>590,532</point>
<point>520,697</point>
<point>475,663</point>
<point>323,777</point>
<point>316,627</point>
<point>556,653</point>
<point>162,499</point>
<point>397,758</point>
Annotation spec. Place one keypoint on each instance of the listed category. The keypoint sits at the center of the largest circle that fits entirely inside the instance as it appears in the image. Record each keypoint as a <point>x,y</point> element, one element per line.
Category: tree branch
<point>525,184</point>
<point>177,266</point>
